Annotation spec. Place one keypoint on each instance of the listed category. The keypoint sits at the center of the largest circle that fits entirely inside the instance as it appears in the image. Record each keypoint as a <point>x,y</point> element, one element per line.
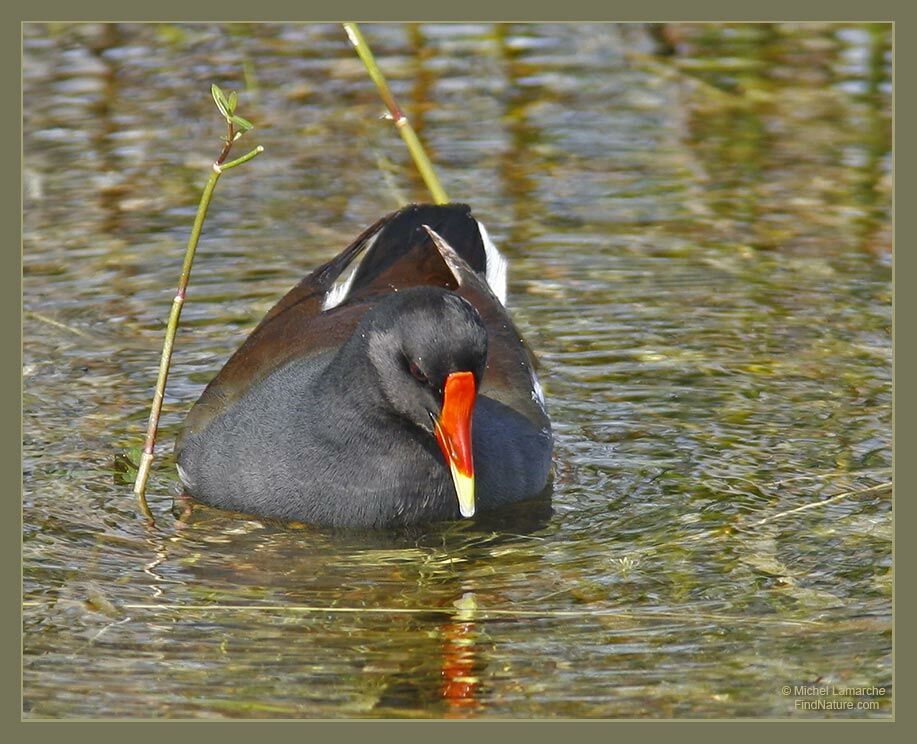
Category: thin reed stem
<point>165,360</point>
<point>825,502</point>
<point>415,147</point>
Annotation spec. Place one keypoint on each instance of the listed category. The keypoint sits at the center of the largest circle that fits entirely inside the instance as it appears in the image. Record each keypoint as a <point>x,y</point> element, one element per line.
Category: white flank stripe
<point>339,289</point>
<point>183,476</point>
<point>496,266</point>
<point>537,391</point>
<point>454,261</point>
<point>338,292</point>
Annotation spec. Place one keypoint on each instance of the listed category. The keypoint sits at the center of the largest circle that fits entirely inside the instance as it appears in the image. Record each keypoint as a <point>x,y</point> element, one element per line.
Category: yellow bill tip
<point>464,489</point>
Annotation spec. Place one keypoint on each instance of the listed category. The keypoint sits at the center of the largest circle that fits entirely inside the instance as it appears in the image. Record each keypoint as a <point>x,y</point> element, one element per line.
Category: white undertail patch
<point>496,266</point>
<point>341,287</point>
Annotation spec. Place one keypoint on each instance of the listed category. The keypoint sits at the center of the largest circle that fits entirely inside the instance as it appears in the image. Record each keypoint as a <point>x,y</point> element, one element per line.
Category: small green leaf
<point>218,94</point>
<point>243,124</point>
<point>219,98</point>
<point>233,99</point>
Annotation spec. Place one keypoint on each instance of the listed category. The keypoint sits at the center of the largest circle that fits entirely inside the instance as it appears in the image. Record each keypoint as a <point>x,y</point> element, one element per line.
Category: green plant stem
<point>424,166</point>
<point>823,502</point>
<point>244,159</point>
<point>146,458</point>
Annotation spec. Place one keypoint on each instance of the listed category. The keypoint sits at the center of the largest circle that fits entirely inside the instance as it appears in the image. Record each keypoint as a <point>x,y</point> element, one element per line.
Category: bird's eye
<point>418,374</point>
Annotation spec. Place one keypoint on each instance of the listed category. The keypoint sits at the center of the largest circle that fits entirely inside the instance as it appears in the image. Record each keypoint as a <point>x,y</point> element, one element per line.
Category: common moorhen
<point>381,392</point>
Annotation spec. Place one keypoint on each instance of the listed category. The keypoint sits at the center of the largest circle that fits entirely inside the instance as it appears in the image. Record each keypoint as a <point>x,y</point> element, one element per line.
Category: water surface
<point>698,219</point>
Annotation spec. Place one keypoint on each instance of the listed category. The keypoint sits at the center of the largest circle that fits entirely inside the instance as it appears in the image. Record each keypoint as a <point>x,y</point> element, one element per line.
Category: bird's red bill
<point>453,432</point>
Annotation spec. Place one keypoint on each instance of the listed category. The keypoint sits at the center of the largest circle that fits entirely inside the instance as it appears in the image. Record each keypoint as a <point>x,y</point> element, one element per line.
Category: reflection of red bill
<point>459,681</point>
<point>453,432</point>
